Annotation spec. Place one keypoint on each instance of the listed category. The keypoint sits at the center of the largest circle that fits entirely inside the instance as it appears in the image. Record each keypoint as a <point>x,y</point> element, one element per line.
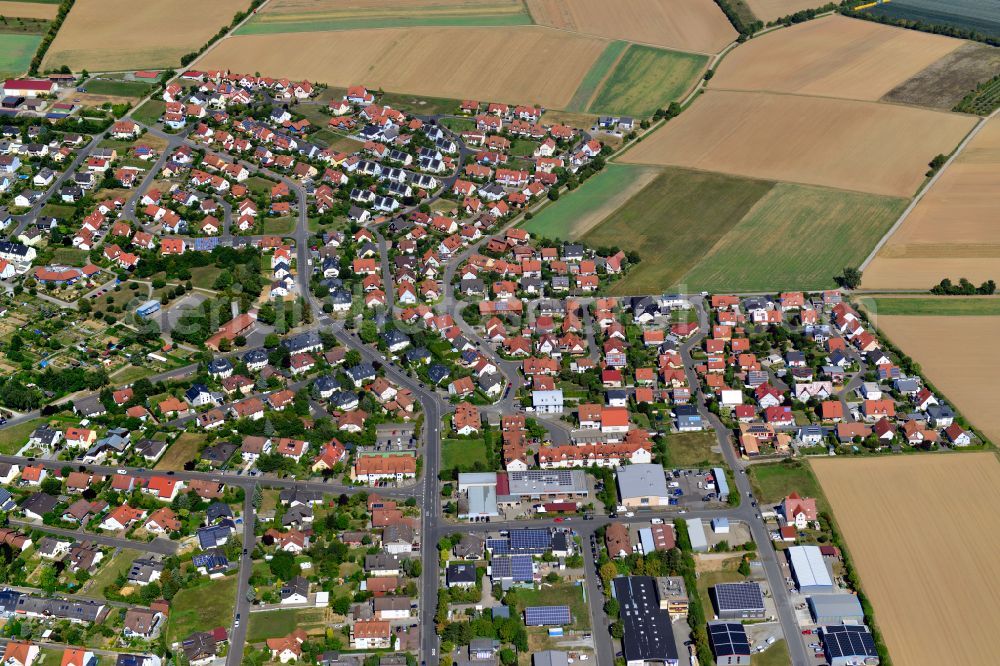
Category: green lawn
<point>59,211</point>
<point>596,75</point>
<point>120,564</point>
<point>691,449</point>
<point>70,256</point>
<point>459,124</point>
<point>132,373</point>
<point>150,112</point>
<point>558,219</point>
<point>14,437</point>
<point>797,237</point>
<point>16,52</point>
<point>273,624</point>
<point>709,579</point>
<point>278,225</point>
<point>776,655</point>
<point>259,184</point>
<point>204,277</point>
<point>420,104</point>
<point>523,147</point>
<point>673,222</point>
<point>137,89</point>
<point>462,453</point>
<point>336,141</point>
<point>647,79</point>
<point>772,482</point>
<point>202,608</point>
<point>559,594</point>
<point>944,306</point>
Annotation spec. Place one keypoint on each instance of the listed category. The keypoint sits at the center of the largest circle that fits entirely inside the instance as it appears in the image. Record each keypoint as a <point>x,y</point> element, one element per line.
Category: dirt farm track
<point>862,146</point>
<point>923,531</point>
<point>540,65</point>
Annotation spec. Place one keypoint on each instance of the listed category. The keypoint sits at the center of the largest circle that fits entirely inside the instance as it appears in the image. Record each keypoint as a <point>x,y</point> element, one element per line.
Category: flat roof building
<point>721,483</point>
<point>734,601</point>
<point>648,634</point>
<point>696,534</point>
<point>730,644</point>
<point>672,594</point>
<point>810,571</point>
<point>836,609</point>
<point>849,645</point>
<point>640,485</point>
<point>550,483</point>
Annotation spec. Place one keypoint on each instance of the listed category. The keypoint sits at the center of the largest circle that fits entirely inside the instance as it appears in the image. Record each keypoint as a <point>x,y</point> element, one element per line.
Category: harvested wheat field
<point>36,10</point>
<point>833,56</point>
<point>862,146</point>
<point>769,10</point>
<point>949,350</point>
<point>955,229</point>
<point>540,66</point>
<point>688,25</point>
<point>108,35</point>
<point>926,555</point>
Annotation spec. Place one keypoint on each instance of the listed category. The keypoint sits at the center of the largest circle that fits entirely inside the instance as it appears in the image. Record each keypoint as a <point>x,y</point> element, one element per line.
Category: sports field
<point>36,10</point>
<point>689,25</point>
<point>796,237</point>
<point>673,222</point>
<point>16,52</point>
<point>312,15</point>
<point>646,79</point>
<point>952,353</point>
<point>539,65</point>
<point>110,35</point>
<point>597,198</point>
<point>862,146</point>
<point>923,532</point>
<point>955,229</point>
<point>833,56</point>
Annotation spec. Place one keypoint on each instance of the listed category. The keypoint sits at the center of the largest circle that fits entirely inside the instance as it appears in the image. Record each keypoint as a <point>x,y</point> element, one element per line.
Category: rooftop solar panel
<point>538,616</point>
<point>530,540</point>
<point>728,639</point>
<point>739,596</point>
<point>848,641</point>
<point>498,546</point>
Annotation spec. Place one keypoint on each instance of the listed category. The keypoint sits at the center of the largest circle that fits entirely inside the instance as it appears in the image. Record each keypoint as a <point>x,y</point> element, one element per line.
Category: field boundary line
<point>607,76</point>
<point>923,191</point>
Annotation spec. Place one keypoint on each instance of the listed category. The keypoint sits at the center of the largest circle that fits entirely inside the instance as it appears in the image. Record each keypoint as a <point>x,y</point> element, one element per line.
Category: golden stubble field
<point>768,10</point>
<point>35,10</point>
<point>924,531</point>
<point>955,353</point>
<point>108,35</point>
<point>283,11</point>
<point>687,25</point>
<point>518,64</point>
<point>954,231</point>
<point>862,146</point>
<point>834,56</point>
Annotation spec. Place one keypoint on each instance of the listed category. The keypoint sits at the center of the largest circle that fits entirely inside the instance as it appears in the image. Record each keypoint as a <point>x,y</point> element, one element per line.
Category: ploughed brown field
<point>862,146</point>
<point>687,25</point>
<point>952,353</point>
<point>518,64</point>
<point>954,231</point>
<point>834,56</point>
<point>35,10</point>
<point>923,531</point>
<point>107,35</point>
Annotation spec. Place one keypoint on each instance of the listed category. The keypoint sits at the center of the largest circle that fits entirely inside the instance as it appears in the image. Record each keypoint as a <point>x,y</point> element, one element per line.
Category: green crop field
<point>647,79</point>
<point>596,75</point>
<point>559,219</point>
<point>150,112</point>
<point>772,482</point>
<point>797,237</point>
<point>673,222</point>
<point>262,25</point>
<point>944,306</point>
<point>16,52</point>
<point>135,89</point>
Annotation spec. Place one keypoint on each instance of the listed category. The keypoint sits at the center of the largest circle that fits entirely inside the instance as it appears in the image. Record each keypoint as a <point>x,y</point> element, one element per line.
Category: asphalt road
<point>159,546</point>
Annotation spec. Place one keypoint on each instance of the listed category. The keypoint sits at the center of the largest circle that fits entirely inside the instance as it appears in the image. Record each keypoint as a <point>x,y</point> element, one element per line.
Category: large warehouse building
<point>735,601</point>
<point>730,644</point>
<point>810,570</point>
<point>849,645</point>
<point>642,485</point>
<point>836,609</point>
<point>648,634</point>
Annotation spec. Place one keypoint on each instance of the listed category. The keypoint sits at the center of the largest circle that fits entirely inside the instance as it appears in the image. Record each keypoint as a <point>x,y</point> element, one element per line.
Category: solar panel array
<point>498,546</point>
<point>739,596</point>
<point>538,616</point>
<point>728,639</point>
<point>848,641</point>
<point>535,541</point>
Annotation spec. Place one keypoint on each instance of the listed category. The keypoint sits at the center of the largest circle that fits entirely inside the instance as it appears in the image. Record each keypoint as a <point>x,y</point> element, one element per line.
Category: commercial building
<point>735,601</point>
<point>648,634</point>
<point>547,484</point>
<point>836,609</point>
<point>672,594</point>
<point>849,645</point>
<point>696,534</point>
<point>148,308</point>
<point>721,483</point>
<point>642,485</point>
<point>730,644</point>
<point>810,571</point>
<point>477,495</point>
